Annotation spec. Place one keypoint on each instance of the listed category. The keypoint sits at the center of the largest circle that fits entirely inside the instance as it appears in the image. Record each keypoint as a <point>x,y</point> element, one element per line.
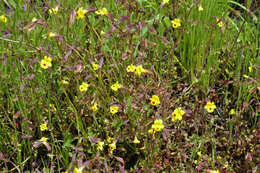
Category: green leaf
<point>144,31</point>
<point>12,3</point>
<point>167,22</point>
<point>68,141</point>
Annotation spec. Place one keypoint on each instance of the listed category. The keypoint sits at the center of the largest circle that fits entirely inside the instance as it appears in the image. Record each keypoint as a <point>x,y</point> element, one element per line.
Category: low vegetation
<point>129,86</point>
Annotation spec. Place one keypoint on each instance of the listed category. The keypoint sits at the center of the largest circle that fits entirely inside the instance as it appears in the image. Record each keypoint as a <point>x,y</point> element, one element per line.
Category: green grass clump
<point>129,86</point>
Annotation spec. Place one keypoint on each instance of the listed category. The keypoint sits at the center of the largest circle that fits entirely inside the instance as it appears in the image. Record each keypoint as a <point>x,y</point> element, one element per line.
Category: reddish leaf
<point>249,157</point>
<point>125,55</point>
<point>67,54</point>
<point>165,41</point>
<point>121,168</point>
<point>15,99</point>
<point>17,114</point>
<point>72,17</point>
<point>26,137</point>
<point>152,30</point>
<point>120,160</point>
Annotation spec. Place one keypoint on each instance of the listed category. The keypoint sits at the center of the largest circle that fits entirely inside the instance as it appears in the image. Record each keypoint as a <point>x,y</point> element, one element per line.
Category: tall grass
<point>212,57</point>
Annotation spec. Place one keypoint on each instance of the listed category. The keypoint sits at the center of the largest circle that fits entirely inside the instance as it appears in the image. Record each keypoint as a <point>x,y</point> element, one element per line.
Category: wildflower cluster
<point>85,58</point>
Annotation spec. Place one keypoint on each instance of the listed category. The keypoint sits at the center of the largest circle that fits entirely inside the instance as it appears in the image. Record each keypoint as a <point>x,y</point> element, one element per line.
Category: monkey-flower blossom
<point>177,114</point>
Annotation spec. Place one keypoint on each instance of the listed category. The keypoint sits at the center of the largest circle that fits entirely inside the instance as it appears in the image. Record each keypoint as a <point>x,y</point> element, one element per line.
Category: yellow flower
<point>116,86</point>
<point>250,69</point>
<point>226,165</point>
<point>158,125</point>
<point>102,11</point>
<point>199,153</point>
<point>54,10</point>
<point>219,157</point>
<point>95,66</point>
<point>245,76</point>
<point>210,107</point>
<point>44,64</point>
<point>34,19</point>
<point>150,131</point>
<point>214,171</point>
<point>52,108</point>
<point>165,1</point>
<point>176,23</point>
<point>200,8</point>
<point>136,141</point>
<point>112,146</point>
<point>154,100</point>
<point>102,32</point>
<point>113,109</point>
<point>64,82</point>
<point>44,140</point>
<point>78,170</point>
<point>232,112</point>
<point>51,34</point>
<point>219,23</point>
<point>109,139</point>
<point>94,108</point>
<point>100,145</point>
<point>3,18</point>
<point>130,68</point>
<point>258,89</point>
<point>138,70</point>
<point>81,13</point>
<point>83,87</point>
<point>177,114</point>
<point>48,59</point>
<point>43,127</point>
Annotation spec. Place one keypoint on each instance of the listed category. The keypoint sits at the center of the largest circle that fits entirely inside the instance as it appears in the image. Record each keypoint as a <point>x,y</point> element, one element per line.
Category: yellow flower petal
<point>176,23</point>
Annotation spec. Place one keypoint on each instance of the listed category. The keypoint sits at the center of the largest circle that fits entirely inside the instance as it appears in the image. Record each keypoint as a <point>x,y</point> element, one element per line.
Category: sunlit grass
<point>134,86</point>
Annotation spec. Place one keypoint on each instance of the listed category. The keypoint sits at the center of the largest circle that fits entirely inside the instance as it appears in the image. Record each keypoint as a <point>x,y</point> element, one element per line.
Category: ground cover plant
<point>129,86</point>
